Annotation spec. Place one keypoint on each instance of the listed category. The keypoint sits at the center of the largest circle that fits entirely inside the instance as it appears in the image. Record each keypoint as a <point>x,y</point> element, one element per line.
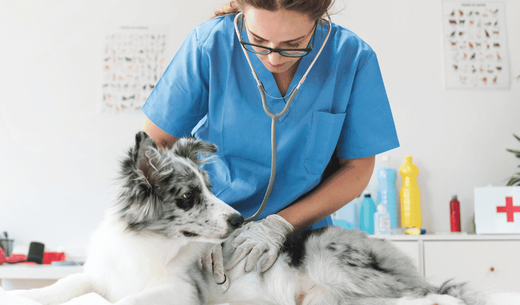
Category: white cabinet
<point>484,264</point>
<point>412,249</point>
<point>490,262</point>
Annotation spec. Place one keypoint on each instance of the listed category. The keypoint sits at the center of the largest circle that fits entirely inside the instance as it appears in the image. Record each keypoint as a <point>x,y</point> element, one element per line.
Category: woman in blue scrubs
<point>341,112</point>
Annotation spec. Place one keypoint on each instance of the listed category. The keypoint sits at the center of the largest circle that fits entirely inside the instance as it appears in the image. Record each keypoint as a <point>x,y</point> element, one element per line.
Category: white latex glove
<point>212,261</point>
<point>260,241</point>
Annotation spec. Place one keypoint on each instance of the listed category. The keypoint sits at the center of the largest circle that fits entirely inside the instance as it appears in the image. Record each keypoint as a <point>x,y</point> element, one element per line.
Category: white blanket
<point>96,299</point>
<point>87,299</point>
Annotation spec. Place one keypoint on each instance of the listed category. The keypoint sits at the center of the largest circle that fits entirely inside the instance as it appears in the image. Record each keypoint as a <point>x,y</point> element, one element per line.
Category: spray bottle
<point>455,214</point>
<point>410,195</point>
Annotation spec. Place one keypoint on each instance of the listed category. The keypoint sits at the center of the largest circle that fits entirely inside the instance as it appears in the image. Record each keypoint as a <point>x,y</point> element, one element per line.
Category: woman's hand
<point>259,243</point>
<point>212,261</point>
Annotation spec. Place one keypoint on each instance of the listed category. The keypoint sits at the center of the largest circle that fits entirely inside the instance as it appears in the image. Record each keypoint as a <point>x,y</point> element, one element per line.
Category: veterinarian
<point>341,113</point>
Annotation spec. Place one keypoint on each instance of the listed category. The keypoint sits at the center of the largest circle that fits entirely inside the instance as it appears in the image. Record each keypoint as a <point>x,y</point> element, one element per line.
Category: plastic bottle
<point>366,214</point>
<point>386,193</point>
<point>410,195</point>
<point>455,214</point>
<point>381,220</point>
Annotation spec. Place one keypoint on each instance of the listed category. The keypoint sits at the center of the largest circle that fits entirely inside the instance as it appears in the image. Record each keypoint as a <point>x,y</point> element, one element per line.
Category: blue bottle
<point>386,193</point>
<point>366,214</point>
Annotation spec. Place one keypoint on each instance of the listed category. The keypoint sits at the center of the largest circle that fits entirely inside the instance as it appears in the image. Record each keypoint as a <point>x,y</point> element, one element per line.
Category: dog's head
<point>166,192</point>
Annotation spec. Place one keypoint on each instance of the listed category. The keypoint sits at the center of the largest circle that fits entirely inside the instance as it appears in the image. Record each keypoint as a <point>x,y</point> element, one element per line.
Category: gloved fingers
<point>266,260</point>
<point>239,240</point>
<point>259,242</point>
<point>218,264</point>
<point>237,256</point>
<point>206,261</point>
<point>269,262</point>
<point>254,255</point>
<point>262,260</point>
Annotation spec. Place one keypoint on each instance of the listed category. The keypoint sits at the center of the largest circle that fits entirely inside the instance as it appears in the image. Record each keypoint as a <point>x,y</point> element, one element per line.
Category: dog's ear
<point>139,202</point>
<point>191,148</point>
<point>142,156</point>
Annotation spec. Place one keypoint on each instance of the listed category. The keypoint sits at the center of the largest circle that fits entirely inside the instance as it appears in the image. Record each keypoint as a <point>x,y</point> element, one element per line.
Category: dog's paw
<point>36,295</point>
<point>430,299</point>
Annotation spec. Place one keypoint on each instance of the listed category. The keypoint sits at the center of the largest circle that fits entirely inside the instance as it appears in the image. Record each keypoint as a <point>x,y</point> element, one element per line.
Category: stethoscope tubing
<point>275,116</point>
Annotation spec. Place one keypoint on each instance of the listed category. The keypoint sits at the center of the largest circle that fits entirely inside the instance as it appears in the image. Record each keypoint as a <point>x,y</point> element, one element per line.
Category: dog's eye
<point>187,200</point>
<point>188,195</point>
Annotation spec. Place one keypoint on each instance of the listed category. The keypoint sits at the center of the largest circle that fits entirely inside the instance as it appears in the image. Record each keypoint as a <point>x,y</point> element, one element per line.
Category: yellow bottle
<point>410,195</point>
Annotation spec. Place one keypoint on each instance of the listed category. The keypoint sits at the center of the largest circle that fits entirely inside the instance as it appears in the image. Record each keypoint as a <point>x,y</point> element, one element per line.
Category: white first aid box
<point>497,210</point>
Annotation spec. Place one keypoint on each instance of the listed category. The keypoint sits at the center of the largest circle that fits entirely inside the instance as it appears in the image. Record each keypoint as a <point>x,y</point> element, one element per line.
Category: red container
<point>48,258</point>
<point>455,214</point>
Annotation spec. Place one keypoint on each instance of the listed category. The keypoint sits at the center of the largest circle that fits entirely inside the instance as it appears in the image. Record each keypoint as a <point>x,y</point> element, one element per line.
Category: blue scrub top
<point>208,90</point>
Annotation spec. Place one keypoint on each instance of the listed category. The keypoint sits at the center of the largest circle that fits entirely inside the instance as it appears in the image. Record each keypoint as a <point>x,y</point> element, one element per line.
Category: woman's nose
<point>274,58</point>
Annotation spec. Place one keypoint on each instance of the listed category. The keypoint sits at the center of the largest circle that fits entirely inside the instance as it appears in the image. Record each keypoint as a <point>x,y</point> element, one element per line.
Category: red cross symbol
<point>509,209</point>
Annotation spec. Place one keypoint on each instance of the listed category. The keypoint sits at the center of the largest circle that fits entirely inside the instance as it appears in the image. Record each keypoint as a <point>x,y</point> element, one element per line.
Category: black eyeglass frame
<point>279,51</point>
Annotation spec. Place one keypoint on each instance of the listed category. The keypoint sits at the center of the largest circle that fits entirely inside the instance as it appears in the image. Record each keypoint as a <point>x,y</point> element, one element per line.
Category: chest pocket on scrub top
<point>322,140</point>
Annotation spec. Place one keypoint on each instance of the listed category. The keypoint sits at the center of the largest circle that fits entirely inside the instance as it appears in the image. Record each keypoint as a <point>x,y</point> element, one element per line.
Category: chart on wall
<point>133,61</point>
<point>475,45</point>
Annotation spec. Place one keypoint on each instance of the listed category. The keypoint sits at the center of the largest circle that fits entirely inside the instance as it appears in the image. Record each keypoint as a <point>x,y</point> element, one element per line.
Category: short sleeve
<point>180,98</point>
<point>369,127</point>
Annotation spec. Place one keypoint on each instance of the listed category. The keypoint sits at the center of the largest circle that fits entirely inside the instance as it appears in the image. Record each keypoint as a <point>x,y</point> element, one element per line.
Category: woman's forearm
<point>159,136</point>
<point>339,189</point>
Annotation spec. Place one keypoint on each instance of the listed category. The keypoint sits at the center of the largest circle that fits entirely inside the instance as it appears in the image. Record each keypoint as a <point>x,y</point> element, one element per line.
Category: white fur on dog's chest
<point>143,261</point>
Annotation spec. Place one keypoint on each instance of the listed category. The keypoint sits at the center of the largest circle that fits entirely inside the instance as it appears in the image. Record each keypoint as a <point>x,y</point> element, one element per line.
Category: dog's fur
<point>148,249</point>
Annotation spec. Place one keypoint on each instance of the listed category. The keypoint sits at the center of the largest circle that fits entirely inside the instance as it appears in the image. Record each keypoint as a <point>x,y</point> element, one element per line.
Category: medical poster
<point>475,45</point>
<point>133,61</point>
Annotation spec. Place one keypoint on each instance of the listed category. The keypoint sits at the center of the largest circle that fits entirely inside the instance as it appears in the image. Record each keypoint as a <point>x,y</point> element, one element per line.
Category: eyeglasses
<point>258,49</point>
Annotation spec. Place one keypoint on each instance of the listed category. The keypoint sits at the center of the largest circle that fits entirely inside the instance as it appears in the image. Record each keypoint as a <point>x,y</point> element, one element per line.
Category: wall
<point>458,138</point>
<point>59,156</point>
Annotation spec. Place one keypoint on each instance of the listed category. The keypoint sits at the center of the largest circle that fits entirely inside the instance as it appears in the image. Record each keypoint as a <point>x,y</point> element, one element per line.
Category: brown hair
<point>315,9</point>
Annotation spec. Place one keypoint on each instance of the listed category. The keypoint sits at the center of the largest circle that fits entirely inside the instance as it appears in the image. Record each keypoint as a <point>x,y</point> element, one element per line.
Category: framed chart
<point>133,61</point>
<point>475,45</point>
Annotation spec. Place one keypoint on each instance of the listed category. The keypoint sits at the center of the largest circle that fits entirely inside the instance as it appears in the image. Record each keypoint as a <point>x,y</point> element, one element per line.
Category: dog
<point>165,218</point>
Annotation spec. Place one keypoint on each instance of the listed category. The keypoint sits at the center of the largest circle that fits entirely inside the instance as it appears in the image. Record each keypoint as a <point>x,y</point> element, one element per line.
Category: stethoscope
<point>275,116</point>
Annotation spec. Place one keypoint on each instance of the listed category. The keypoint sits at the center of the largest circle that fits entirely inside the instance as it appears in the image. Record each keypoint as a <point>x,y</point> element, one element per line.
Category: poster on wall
<point>133,61</point>
<point>475,45</point>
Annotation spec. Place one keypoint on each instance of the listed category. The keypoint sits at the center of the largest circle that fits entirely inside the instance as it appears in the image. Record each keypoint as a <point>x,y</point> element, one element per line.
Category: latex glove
<point>212,261</point>
<point>260,241</point>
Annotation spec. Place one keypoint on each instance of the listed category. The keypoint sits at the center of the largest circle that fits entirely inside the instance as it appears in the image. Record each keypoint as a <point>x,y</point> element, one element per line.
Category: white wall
<point>59,156</point>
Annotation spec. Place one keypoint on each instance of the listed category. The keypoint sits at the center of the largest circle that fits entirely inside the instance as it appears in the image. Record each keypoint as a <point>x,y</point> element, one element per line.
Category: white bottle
<point>381,220</point>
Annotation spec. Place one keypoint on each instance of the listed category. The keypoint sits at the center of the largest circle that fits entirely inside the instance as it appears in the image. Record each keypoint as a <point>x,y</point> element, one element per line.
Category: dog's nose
<point>235,220</point>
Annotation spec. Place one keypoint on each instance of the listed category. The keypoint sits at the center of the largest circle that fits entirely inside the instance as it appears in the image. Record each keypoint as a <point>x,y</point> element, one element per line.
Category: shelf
<point>46,272</point>
<point>448,237</point>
